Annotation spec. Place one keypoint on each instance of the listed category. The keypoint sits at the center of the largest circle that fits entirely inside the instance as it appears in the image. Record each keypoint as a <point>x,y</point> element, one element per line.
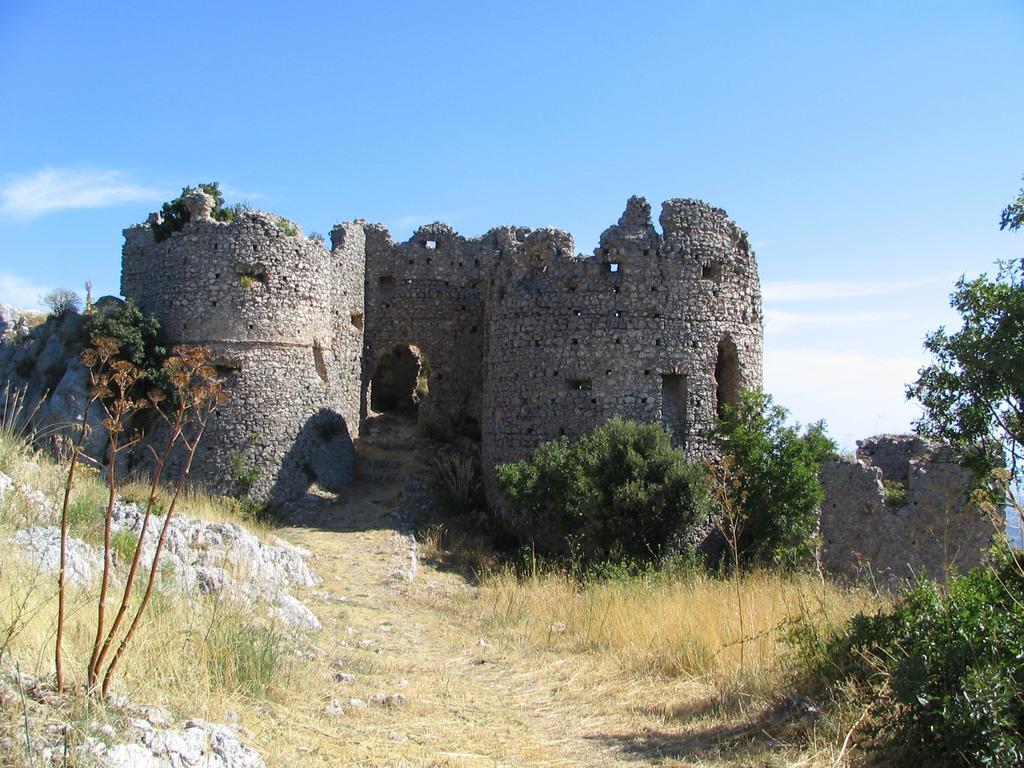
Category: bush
<point>954,662</point>
<point>777,489</point>
<point>620,492</point>
<point>138,336</point>
<point>61,301</point>
<point>176,215</point>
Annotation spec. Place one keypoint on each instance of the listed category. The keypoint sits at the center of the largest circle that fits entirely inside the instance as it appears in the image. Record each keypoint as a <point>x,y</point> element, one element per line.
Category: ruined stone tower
<point>510,338</point>
<point>283,316</point>
<point>652,327</point>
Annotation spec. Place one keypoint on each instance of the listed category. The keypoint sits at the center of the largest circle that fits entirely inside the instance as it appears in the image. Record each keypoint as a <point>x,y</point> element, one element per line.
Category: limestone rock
<point>42,546</point>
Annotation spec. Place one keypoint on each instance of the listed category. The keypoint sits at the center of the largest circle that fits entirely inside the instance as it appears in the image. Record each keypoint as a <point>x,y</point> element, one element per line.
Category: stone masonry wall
<point>264,301</point>
<point>651,327</point>
<point>429,292</point>
<point>934,530</point>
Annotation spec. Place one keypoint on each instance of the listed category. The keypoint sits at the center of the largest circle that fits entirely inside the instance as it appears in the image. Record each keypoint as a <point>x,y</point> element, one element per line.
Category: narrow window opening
<point>318,361</point>
<point>727,375</point>
<point>711,271</point>
<point>578,384</point>
<point>673,407</point>
<point>612,266</point>
<point>430,245</point>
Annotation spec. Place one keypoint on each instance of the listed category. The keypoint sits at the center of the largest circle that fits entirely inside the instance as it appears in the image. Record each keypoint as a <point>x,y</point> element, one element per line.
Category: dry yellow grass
<point>727,632</point>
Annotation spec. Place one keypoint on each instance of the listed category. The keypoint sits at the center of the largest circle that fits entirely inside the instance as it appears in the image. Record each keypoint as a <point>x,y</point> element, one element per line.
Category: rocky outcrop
<point>202,557</point>
<point>44,368</point>
<point>146,736</point>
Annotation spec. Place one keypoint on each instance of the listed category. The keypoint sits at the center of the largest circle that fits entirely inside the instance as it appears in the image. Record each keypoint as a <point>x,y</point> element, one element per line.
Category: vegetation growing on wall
<point>176,214</point>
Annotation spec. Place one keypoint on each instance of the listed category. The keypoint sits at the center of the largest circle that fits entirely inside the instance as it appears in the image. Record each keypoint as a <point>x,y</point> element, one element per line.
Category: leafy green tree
<point>1013,214</point>
<point>620,492</point>
<point>776,489</point>
<point>973,391</point>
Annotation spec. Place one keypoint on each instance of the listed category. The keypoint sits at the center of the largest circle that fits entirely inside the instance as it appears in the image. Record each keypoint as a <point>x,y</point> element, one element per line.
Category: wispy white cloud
<point>780,321</point>
<point>19,292</point>
<point>55,189</point>
<point>412,221</point>
<point>830,290</point>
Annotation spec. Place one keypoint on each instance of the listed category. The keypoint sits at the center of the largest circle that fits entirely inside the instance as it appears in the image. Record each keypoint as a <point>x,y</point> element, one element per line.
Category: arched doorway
<point>727,375</point>
<point>399,383</point>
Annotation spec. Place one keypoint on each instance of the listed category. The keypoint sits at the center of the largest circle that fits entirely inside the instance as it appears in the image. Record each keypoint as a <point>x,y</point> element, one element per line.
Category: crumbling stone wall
<point>653,327</point>
<point>934,530</point>
<point>271,306</point>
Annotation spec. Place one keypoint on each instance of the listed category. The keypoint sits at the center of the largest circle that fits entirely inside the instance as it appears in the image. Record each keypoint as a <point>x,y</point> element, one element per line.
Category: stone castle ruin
<point>510,338</point>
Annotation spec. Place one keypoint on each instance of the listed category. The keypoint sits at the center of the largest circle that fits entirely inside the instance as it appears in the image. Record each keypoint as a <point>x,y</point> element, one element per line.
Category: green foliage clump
<point>244,476</point>
<point>61,301</point>
<point>973,392</point>
<point>953,661</point>
<point>288,227</point>
<point>777,487</point>
<point>176,215</point>
<point>459,483</point>
<point>619,493</point>
<point>248,658</point>
<point>138,337</point>
<point>894,493</point>
<point>1012,217</point>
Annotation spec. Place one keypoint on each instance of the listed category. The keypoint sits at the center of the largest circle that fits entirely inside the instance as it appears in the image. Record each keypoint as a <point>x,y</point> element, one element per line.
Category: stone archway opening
<point>727,375</point>
<point>399,383</point>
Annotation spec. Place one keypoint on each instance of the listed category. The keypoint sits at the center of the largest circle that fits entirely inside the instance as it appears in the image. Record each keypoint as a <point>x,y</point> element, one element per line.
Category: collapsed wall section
<point>651,327</point>
<point>263,298</point>
<point>924,524</point>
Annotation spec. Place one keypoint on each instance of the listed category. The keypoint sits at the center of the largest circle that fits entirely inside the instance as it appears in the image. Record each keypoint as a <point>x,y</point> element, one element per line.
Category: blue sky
<point>867,147</point>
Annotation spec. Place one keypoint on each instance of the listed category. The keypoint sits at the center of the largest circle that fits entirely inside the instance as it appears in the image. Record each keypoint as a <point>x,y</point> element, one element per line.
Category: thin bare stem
<point>150,503</point>
<point>58,659</point>
<point>151,581</point>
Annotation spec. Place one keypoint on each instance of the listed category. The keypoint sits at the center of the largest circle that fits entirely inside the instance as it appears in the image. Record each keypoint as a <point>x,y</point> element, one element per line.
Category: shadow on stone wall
<point>323,455</point>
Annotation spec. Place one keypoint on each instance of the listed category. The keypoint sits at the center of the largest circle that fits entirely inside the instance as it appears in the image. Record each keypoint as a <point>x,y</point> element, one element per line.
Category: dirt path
<point>433,688</point>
